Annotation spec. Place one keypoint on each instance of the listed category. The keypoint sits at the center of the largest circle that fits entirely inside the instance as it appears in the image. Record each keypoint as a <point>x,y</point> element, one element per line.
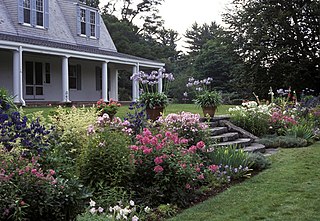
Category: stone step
<point>212,124</point>
<point>225,137</point>
<point>241,142</point>
<point>218,130</point>
<point>255,147</point>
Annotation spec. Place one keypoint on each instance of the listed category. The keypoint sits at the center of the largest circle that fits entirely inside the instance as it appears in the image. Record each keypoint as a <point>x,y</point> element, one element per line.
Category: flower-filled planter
<point>152,97</point>
<point>208,99</point>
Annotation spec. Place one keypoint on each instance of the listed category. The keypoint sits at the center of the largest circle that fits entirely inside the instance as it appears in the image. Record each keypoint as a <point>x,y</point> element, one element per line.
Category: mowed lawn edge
<point>289,190</point>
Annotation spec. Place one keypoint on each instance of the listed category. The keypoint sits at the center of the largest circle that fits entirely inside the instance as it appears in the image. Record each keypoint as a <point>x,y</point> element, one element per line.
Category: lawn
<point>289,190</point>
<point>172,108</point>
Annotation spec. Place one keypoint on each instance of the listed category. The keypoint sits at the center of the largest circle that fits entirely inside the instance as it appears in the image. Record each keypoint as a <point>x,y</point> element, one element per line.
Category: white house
<point>60,51</point>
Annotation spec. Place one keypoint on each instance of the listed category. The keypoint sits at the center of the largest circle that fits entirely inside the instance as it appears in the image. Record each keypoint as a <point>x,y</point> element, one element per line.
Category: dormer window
<point>88,23</point>
<point>34,12</point>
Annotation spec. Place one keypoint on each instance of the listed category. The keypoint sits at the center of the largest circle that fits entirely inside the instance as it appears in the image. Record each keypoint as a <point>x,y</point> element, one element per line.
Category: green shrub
<point>106,161</point>
<point>71,128</point>
<point>283,142</point>
<point>302,130</point>
<point>259,161</point>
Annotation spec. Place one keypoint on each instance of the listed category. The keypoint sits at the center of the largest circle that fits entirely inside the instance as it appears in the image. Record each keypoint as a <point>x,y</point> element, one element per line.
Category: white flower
<point>100,209</point>
<point>92,203</point>
<point>131,203</point>
<point>135,218</point>
<point>92,210</point>
<point>118,217</point>
<point>147,209</point>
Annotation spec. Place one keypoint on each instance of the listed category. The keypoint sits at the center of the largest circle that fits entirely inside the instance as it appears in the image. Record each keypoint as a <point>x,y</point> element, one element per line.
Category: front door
<point>34,80</point>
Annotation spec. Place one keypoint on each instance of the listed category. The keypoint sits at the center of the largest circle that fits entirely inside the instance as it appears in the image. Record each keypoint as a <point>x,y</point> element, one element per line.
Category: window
<point>34,12</point>
<point>88,22</point>
<point>39,12</point>
<point>26,11</point>
<point>47,70</point>
<point>75,77</point>
<point>92,23</point>
<point>83,21</point>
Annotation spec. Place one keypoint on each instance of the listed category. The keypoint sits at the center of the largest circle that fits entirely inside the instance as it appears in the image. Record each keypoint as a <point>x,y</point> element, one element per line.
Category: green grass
<point>172,108</point>
<point>289,190</point>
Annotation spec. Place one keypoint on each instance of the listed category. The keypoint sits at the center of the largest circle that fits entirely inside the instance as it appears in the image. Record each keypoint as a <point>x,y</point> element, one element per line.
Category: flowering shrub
<point>280,122</point>
<point>186,125</point>
<point>111,108</point>
<point>15,131</point>
<point>252,117</point>
<point>136,118</point>
<point>30,193</point>
<point>167,169</point>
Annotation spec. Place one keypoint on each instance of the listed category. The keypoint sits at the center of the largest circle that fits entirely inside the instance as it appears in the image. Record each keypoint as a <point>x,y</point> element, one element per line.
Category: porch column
<point>135,84</point>
<point>160,81</point>
<point>16,76</point>
<point>65,79</point>
<point>114,84</point>
<point>105,81</point>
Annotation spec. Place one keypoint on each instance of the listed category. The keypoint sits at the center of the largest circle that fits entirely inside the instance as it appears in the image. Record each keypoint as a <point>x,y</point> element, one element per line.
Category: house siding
<point>6,25</point>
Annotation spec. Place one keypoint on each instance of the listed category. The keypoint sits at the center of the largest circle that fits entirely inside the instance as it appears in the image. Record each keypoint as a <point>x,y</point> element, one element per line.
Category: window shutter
<point>20,12</point>
<point>46,14</point>
<point>98,79</point>
<point>78,21</point>
<point>88,32</point>
<point>97,24</point>
<point>78,77</point>
<point>33,13</point>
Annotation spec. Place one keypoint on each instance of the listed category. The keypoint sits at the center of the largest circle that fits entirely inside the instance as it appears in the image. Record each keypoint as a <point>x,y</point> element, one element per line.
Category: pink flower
<point>158,160</point>
<point>146,132</point>
<point>168,134</point>
<point>198,169</point>
<point>159,146</point>
<point>34,171</point>
<point>200,144</point>
<point>21,172</point>
<point>183,165</point>
<point>192,149</point>
<point>145,140</point>
<point>213,168</point>
<point>201,177</point>
<point>188,186</point>
<point>183,141</point>
<point>90,129</point>
<point>52,172</point>
<point>134,147</point>
<point>147,151</point>
<point>154,141</point>
<point>159,136</point>
<point>158,169</point>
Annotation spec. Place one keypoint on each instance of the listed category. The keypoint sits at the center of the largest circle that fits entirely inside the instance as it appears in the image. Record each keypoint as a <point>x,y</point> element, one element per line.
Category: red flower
<point>158,169</point>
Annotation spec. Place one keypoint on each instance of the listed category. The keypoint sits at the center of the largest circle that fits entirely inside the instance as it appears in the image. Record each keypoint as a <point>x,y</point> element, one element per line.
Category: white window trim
<point>88,35</point>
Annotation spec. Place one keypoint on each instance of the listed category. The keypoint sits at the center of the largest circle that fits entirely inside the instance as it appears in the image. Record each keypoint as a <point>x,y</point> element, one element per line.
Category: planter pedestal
<point>209,110</point>
<point>154,113</point>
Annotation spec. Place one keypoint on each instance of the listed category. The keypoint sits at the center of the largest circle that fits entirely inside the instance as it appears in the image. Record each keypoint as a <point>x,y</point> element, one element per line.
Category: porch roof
<point>78,48</point>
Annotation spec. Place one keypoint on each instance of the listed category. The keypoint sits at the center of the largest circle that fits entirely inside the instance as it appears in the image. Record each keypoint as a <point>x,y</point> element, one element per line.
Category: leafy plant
<point>259,161</point>
<point>283,142</point>
<point>111,108</point>
<point>106,161</point>
<point>302,130</point>
<point>152,100</point>
<point>208,99</point>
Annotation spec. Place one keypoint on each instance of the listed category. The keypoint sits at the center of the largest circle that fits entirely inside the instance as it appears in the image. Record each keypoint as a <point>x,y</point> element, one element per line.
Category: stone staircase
<point>224,133</point>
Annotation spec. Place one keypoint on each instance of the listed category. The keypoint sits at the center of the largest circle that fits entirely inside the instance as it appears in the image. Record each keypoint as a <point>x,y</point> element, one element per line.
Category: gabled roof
<point>62,31</point>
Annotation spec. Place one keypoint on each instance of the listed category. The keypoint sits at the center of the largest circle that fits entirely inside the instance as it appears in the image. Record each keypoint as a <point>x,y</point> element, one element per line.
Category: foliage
<point>186,125</point>
<point>111,108</point>
<point>259,161</point>
<point>71,128</point>
<point>251,117</point>
<point>106,161</point>
<point>152,100</point>
<point>283,142</point>
<point>30,193</point>
<point>273,38</point>
<point>302,130</point>
<point>6,101</point>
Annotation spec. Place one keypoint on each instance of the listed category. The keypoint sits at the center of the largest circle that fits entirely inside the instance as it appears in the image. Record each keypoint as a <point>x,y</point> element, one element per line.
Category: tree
<point>279,41</point>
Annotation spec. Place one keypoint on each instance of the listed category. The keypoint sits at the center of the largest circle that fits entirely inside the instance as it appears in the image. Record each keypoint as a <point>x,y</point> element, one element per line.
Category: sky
<point>179,15</point>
